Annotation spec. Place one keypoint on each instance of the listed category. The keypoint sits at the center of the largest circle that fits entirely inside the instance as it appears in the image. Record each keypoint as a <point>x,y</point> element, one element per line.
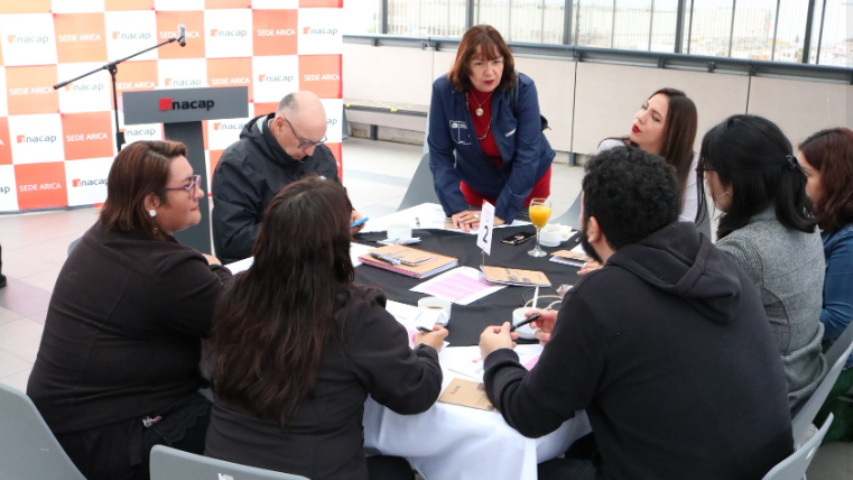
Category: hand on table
<point>354,216</point>
<point>544,325</point>
<point>589,266</point>
<point>434,339</point>
<point>211,260</point>
<point>466,220</point>
<point>495,338</point>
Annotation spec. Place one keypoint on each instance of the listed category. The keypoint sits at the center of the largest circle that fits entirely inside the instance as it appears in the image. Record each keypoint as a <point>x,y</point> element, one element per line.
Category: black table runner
<point>468,321</point>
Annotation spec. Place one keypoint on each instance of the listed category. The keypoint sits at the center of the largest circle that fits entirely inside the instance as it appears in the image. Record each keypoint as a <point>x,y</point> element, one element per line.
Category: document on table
<point>462,286</point>
<point>425,215</point>
<point>413,317</point>
<point>471,366</point>
<point>356,250</point>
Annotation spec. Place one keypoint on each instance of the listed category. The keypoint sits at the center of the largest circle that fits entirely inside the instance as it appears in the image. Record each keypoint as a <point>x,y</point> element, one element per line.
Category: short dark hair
<point>632,193</point>
<point>830,151</point>
<point>140,168</point>
<point>752,156</point>
<point>492,46</point>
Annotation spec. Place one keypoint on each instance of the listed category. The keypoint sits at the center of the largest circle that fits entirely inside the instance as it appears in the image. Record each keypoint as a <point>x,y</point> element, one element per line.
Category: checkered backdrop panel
<point>56,147</point>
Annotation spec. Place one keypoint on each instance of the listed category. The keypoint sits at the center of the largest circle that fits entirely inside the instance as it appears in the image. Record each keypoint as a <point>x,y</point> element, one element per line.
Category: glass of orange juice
<point>540,212</point>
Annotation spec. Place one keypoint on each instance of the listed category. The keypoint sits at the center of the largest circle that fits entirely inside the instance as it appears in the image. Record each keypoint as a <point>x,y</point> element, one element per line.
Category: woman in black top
<point>296,347</point>
<point>117,369</point>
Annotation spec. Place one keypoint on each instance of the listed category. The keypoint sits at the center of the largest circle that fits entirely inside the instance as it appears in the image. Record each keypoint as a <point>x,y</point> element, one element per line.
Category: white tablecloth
<point>449,442</point>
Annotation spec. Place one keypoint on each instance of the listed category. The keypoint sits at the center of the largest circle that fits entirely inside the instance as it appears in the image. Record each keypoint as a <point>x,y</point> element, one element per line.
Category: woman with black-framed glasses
<point>117,369</point>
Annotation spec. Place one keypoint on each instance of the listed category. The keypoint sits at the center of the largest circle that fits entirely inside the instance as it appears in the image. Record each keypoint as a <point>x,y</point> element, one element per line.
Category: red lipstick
<point>635,129</point>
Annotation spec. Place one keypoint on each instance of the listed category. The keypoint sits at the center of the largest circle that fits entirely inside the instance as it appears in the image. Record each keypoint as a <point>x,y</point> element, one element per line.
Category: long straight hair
<point>754,159</point>
<point>679,134</point>
<point>830,151</point>
<point>273,321</point>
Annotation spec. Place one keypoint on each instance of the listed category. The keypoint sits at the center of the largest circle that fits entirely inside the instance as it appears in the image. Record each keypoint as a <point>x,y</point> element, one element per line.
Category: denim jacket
<point>838,286</point>
<point>525,151</point>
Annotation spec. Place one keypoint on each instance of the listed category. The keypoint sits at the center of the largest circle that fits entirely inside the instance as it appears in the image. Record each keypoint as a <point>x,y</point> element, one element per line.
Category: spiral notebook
<point>408,261</point>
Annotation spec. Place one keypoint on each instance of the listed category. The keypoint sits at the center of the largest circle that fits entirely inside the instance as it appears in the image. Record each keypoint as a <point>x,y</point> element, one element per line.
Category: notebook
<point>408,261</point>
<point>569,257</point>
<point>514,276</point>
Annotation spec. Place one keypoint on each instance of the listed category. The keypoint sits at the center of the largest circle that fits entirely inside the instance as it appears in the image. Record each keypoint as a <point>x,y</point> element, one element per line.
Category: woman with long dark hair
<point>117,369</point>
<point>666,125</point>
<point>827,159</point>
<point>296,347</point>
<point>768,228</point>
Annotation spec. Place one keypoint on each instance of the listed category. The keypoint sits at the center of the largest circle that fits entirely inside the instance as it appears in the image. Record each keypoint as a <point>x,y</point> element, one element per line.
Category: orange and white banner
<point>57,146</point>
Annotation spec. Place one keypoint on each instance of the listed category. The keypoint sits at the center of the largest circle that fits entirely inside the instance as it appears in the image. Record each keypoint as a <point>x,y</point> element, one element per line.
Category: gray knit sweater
<point>787,266</point>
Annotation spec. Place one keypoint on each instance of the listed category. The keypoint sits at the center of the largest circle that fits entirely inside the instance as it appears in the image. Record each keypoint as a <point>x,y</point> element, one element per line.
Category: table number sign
<point>487,223</point>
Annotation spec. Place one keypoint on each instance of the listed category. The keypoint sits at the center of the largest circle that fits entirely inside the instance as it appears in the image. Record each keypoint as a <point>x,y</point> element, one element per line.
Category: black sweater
<point>668,349</point>
<point>324,440</point>
<point>123,329</point>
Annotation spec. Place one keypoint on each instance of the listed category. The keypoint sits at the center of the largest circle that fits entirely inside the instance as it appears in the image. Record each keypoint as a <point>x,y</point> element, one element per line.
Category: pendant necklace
<point>489,127</point>
<point>479,111</point>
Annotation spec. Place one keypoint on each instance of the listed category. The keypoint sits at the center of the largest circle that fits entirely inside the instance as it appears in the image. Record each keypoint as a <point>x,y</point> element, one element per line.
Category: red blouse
<point>542,189</point>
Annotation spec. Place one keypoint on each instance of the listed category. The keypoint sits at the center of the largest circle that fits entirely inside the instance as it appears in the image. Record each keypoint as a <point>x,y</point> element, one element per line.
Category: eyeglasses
<point>196,182</point>
<point>302,142</point>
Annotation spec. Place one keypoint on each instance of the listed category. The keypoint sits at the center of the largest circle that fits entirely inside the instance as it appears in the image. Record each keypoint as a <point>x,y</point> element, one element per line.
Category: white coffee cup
<point>399,232</point>
<point>553,235</point>
<point>436,303</point>
<point>524,331</point>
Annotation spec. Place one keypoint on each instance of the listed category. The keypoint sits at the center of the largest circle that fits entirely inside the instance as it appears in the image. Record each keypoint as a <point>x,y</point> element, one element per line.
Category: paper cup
<point>525,332</point>
<point>399,232</point>
<point>435,303</point>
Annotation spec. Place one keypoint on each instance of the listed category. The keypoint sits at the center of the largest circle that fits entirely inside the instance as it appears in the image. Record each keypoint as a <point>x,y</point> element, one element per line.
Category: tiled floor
<point>376,175</point>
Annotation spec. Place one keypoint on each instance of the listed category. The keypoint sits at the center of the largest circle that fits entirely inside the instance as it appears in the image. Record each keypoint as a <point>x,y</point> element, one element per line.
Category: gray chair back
<point>794,467</point>
<point>570,218</point>
<point>841,343</point>
<point>804,418</point>
<point>170,464</point>
<point>421,188</point>
<point>28,449</point>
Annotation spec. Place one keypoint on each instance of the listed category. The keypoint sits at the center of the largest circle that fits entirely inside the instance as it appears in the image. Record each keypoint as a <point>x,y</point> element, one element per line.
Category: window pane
<point>535,21</point>
<point>710,27</point>
<point>361,17</point>
<point>790,37</point>
<point>836,46</point>
<point>663,25</point>
<point>421,18</point>
<point>594,23</point>
<point>494,13</point>
<point>753,29</point>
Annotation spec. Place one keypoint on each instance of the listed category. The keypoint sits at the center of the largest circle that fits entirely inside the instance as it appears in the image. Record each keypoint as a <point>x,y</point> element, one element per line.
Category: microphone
<point>182,35</point>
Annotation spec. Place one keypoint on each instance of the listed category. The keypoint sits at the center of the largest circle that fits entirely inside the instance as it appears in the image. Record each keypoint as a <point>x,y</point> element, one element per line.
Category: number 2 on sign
<point>484,234</point>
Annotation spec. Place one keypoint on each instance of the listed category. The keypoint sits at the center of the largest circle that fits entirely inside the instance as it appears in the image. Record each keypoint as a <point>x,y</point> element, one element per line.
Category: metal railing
<point>678,61</point>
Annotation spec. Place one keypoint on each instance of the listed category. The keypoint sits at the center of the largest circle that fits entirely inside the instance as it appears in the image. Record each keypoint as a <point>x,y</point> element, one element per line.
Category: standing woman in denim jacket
<point>485,134</point>
<point>827,159</point>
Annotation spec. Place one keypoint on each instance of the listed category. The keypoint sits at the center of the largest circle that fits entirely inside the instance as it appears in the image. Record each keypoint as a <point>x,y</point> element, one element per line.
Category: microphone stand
<point>112,67</point>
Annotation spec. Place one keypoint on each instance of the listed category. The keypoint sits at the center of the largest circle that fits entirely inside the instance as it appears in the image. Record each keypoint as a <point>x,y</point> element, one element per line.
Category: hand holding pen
<point>434,338</point>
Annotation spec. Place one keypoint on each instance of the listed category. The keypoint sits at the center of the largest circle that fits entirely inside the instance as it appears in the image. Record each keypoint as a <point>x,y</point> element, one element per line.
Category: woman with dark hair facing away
<point>827,159</point>
<point>296,347</point>
<point>666,125</point>
<point>767,227</point>
<point>485,134</point>
<point>117,370</point>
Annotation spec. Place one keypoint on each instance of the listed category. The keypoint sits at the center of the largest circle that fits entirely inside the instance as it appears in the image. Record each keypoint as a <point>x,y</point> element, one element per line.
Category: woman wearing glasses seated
<point>274,150</point>
<point>117,371</point>
<point>485,134</point>
<point>296,348</point>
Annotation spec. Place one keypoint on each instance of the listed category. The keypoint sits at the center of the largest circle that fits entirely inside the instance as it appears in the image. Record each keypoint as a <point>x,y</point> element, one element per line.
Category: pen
<point>529,319</point>
<point>417,222</point>
<point>424,329</point>
<point>384,258</point>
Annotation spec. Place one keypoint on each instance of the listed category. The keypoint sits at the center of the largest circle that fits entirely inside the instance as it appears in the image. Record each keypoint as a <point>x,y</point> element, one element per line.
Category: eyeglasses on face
<point>302,142</point>
<point>195,182</point>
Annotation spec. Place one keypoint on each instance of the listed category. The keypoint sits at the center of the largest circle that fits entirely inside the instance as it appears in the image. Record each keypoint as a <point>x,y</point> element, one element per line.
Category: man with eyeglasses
<point>273,151</point>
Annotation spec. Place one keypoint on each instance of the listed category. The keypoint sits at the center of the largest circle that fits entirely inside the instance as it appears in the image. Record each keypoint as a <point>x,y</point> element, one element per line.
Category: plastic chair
<point>28,449</point>
<point>794,467</point>
<point>841,343</point>
<point>570,218</point>
<point>421,188</point>
<point>168,464</point>
<point>804,418</point>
